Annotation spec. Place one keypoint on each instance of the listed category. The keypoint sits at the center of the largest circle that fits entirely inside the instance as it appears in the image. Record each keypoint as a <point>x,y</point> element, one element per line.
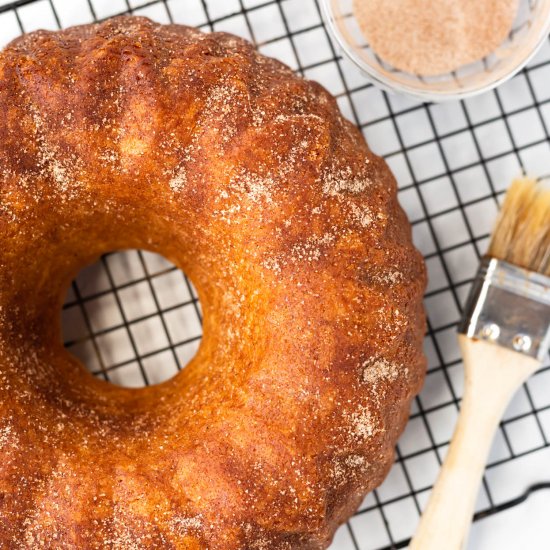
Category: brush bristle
<point>522,232</point>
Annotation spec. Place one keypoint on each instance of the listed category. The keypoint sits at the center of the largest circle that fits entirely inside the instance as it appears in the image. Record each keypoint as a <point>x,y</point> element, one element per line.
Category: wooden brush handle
<point>492,375</point>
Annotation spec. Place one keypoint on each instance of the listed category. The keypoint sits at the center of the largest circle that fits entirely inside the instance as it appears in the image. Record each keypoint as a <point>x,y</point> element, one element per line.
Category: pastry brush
<point>504,336</point>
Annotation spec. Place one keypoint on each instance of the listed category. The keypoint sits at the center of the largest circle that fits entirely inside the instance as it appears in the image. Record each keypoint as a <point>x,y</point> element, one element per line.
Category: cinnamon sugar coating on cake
<point>130,134</point>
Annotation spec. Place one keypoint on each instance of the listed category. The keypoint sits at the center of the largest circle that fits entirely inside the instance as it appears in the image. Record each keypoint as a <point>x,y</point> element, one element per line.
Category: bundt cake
<point>131,134</point>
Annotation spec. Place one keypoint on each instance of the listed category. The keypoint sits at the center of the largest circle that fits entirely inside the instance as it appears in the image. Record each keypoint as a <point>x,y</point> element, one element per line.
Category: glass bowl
<point>530,29</point>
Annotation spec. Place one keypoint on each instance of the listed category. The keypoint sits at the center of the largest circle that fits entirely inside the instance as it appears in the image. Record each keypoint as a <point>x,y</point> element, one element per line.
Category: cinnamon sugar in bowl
<point>392,62</point>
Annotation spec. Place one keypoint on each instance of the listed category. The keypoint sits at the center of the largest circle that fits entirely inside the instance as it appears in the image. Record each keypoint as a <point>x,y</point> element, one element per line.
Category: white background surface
<point>135,318</point>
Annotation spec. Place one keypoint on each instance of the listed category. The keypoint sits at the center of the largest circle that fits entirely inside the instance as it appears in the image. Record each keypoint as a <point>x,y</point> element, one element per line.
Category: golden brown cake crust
<point>129,134</point>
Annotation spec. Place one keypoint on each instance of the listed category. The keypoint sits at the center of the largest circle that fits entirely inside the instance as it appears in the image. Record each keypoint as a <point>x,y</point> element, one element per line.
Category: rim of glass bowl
<point>390,85</point>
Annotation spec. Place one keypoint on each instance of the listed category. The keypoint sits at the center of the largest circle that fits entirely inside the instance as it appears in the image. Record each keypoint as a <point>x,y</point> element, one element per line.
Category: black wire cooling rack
<point>135,319</point>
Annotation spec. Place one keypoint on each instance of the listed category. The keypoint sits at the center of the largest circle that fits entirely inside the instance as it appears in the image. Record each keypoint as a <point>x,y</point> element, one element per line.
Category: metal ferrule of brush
<point>509,306</point>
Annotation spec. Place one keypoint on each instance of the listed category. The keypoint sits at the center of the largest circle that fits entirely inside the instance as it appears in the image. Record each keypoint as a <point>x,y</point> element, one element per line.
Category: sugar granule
<point>431,37</point>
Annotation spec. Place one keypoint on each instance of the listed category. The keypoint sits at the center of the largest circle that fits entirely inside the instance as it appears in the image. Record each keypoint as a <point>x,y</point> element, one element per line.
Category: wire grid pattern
<point>135,319</point>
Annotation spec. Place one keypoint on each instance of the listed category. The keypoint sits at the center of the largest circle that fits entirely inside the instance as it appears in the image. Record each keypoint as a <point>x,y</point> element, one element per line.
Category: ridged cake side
<point>133,134</point>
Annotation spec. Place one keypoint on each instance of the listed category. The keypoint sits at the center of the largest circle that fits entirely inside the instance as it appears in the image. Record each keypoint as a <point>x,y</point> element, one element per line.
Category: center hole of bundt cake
<point>133,318</point>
